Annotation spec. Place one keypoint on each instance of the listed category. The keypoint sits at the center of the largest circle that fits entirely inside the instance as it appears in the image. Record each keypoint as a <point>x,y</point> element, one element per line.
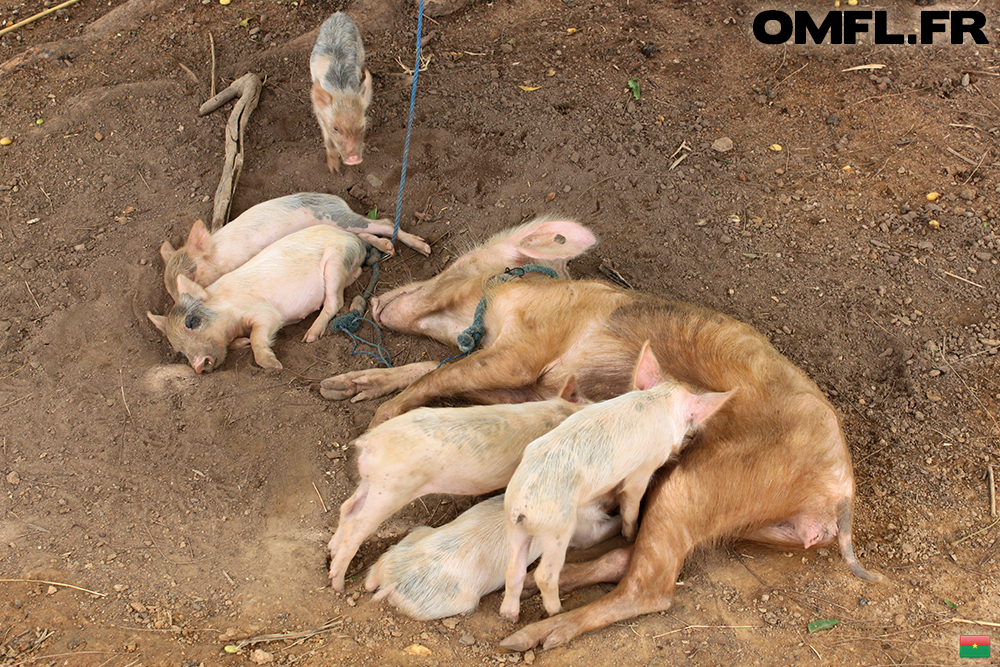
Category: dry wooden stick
<point>211,41</point>
<point>316,489</point>
<point>959,155</point>
<point>247,88</point>
<point>32,19</point>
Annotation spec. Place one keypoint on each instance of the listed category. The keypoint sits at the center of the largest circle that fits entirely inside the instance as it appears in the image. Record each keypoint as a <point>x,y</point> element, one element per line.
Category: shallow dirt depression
<point>195,510</point>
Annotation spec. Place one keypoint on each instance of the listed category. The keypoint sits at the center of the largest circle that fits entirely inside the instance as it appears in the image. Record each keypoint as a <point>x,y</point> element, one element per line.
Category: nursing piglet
<point>465,451</point>
<point>284,283</point>
<point>340,97</point>
<point>439,572</point>
<point>616,444</point>
<point>205,257</point>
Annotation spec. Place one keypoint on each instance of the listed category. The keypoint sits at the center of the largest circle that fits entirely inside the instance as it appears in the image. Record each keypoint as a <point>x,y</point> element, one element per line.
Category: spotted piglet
<point>614,445</point>
<point>438,572</point>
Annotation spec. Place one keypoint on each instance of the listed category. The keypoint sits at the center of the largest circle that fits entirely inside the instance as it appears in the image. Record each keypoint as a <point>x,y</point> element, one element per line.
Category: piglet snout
<point>352,159</point>
<point>203,365</point>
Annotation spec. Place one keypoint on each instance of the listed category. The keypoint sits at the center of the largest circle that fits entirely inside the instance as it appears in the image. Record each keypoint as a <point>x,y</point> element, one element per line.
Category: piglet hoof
<point>510,609</point>
<point>269,362</point>
<point>239,343</point>
<point>337,582</point>
<point>313,336</point>
<point>333,162</point>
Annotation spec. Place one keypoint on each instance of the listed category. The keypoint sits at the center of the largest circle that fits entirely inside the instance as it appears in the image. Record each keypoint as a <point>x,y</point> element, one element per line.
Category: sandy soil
<point>194,510</point>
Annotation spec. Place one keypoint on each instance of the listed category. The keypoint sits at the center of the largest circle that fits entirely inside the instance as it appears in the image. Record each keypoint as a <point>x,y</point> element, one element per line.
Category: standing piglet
<point>438,572</point>
<point>205,257</point>
<point>466,451</point>
<point>617,444</point>
<point>340,97</point>
<point>286,281</point>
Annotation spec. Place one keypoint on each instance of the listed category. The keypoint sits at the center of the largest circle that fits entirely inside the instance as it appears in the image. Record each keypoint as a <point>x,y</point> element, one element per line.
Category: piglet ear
<point>159,321</point>
<point>166,251</point>
<point>568,392</point>
<point>700,407</point>
<point>320,97</point>
<point>187,286</point>
<point>366,90</point>
<point>552,240</point>
<point>199,241</point>
<point>647,371</point>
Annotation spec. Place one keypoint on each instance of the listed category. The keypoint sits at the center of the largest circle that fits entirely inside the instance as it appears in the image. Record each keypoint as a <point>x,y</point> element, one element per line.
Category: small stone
<point>725,239</point>
<point>98,136</point>
<point>29,264</point>
<point>575,157</point>
<point>984,256</point>
<point>506,48</point>
<point>466,639</point>
<point>967,193</point>
<point>253,31</point>
<point>450,623</point>
<point>80,247</point>
<point>259,657</point>
<point>119,588</point>
<point>529,657</point>
<point>722,145</point>
<point>374,181</point>
<point>833,119</point>
<point>898,619</point>
<point>51,590</point>
<point>13,478</point>
<point>567,188</point>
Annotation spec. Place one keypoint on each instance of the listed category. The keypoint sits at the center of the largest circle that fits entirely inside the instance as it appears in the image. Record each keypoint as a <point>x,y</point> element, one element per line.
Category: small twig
<point>701,627</point>
<point>332,624</point>
<point>194,77</point>
<point>15,401</point>
<point>211,41</point>
<point>965,280</point>
<point>959,155</point>
<point>228,578</point>
<point>32,295</point>
<point>121,384</point>
<point>53,583</point>
<point>789,76</point>
<point>815,651</point>
<point>32,19</point>
<point>976,71</point>
<point>977,167</point>
<point>993,491</point>
<point>981,530</point>
<point>859,68</point>
<point>320,497</point>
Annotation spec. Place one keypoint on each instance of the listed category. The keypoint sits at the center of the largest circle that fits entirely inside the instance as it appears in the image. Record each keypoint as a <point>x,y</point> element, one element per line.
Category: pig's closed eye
<point>335,130</point>
<point>192,321</point>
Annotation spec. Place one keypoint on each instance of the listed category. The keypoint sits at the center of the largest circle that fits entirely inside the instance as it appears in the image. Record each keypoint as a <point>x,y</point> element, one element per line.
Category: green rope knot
<point>348,321</point>
<point>470,339</point>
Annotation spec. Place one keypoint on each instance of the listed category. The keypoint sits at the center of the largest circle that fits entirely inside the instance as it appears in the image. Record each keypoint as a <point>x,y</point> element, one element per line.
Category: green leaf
<point>825,624</point>
<point>950,603</point>
<point>373,214</point>
<point>245,22</point>
<point>634,85</point>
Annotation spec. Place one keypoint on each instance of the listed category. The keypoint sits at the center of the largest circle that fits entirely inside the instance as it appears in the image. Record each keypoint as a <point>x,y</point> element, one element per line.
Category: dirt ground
<point>192,512</point>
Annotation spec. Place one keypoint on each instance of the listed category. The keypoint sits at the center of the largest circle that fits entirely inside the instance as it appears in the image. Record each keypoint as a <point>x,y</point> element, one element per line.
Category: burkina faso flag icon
<point>974,646</point>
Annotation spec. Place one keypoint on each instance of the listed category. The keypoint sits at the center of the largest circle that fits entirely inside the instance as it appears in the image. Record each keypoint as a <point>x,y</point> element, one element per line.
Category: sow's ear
<point>166,251</point>
<point>187,286</point>
<point>551,240</point>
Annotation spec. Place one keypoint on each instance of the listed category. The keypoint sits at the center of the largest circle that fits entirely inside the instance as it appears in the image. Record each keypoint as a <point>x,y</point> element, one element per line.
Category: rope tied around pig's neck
<point>350,322</point>
<point>468,341</point>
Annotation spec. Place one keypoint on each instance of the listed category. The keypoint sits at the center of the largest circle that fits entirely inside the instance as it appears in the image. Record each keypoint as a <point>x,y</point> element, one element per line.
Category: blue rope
<point>470,339</point>
<point>351,322</point>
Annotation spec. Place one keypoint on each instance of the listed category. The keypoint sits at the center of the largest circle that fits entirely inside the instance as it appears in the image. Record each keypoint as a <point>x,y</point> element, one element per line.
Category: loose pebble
<point>722,145</point>
<point>6,141</point>
<point>933,196</point>
<point>775,147</point>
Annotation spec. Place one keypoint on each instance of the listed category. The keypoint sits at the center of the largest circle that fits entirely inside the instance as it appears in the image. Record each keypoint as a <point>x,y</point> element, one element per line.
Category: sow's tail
<point>847,547</point>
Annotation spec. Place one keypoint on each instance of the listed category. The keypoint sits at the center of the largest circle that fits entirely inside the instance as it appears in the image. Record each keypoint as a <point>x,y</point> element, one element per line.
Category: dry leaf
<point>529,88</point>
<point>417,649</point>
